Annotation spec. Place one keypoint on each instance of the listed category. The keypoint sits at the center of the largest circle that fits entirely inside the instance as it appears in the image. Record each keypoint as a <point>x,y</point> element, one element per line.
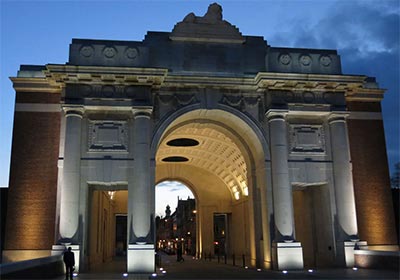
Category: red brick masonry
<point>33,178</point>
<point>371,178</point>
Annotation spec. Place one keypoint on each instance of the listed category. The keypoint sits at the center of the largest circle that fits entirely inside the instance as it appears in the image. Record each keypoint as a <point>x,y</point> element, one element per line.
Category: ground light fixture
<point>311,270</point>
<point>246,267</point>
<point>164,271</point>
<point>154,275</point>
<point>258,269</point>
<point>355,268</point>
<point>125,274</point>
<point>161,268</point>
<point>75,274</point>
<point>284,271</point>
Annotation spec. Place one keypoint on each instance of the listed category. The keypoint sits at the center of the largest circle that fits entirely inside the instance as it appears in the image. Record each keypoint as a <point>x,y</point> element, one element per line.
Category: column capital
<point>73,111</point>
<point>142,112</point>
<point>275,114</point>
<point>337,117</point>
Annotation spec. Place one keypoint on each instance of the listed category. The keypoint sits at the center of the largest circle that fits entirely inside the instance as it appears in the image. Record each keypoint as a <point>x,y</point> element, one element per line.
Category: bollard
<point>218,257</point>
<point>233,260</point>
<point>244,260</point>
<point>209,256</point>
<point>225,258</point>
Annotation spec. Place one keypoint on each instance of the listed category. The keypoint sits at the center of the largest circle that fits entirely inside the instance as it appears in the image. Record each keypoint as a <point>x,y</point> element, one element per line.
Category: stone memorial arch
<point>276,139</point>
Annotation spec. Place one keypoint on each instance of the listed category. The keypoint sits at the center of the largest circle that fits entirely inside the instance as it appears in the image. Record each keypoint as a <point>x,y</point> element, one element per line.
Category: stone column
<point>343,179</point>
<point>70,185</point>
<point>70,189</point>
<point>346,217</point>
<point>140,212</point>
<point>282,190</point>
<point>287,253</point>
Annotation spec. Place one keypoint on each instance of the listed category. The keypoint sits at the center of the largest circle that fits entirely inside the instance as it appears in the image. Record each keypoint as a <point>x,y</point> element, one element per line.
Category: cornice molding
<point>355,88</point>
<point>36,84</point>
<point>64,74</point>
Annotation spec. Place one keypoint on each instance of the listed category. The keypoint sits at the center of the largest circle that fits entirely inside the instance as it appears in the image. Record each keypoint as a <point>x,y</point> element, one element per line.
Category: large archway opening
<point>219,156</point>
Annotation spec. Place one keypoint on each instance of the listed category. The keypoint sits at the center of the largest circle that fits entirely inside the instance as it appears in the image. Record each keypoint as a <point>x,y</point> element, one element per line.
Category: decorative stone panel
<point>292,60</point>
<point>108,53</point>
<point>306,138</point>
<point>107,136</point>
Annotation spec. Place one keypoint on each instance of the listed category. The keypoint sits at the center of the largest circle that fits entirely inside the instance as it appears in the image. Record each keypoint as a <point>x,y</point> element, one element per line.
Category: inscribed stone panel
<point>107,136</point>
<point>306,138</point>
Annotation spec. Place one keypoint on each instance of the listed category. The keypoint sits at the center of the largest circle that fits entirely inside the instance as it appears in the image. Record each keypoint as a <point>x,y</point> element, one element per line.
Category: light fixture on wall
<point>111,194</point>
<point>245,190</point>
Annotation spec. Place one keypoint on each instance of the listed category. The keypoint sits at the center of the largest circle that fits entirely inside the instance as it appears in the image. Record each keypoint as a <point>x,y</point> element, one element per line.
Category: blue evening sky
<point>365,33</point>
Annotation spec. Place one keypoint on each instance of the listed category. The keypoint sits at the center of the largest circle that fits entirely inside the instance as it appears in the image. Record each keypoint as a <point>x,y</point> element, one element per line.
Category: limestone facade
<point>291,149</point>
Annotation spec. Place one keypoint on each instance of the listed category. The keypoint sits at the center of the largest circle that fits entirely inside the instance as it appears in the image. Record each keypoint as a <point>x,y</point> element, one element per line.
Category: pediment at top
<point>208,28</point>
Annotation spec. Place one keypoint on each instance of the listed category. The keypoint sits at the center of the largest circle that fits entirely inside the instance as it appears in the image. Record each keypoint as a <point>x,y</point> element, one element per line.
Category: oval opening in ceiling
<point>175,159</point>
<point>183,142</point>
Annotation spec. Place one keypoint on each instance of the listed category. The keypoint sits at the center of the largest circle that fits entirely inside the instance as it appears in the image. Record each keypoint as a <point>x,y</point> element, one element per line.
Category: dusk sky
<point>167,193</point>
<point>365,33</point>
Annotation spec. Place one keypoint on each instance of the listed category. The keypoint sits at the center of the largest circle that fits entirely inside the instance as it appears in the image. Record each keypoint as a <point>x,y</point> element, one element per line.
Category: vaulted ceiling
<point>209,148</point>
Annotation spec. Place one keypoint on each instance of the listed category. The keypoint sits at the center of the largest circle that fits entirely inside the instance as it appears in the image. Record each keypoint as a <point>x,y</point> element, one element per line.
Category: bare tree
<point>395,179</point>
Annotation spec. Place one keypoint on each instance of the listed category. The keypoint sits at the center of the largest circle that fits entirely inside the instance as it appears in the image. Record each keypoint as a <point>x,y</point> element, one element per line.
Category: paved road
<point>198,269</point>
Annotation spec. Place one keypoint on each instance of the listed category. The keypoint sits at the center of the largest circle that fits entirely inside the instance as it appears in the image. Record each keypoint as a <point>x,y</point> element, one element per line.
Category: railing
<point>48,267</point>
<point>224,258</point>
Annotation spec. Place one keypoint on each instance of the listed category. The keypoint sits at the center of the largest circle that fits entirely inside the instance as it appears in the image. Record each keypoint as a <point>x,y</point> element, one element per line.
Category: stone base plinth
<point>346,248</point>
<point>23,255</point>
<point>60,249</point>
<point>287,256</point>
<point>141,258</point>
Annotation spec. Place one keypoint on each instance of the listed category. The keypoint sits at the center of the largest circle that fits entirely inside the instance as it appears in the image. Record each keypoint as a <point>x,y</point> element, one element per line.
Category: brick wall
<point>33,176</point>
<point>371,178</point>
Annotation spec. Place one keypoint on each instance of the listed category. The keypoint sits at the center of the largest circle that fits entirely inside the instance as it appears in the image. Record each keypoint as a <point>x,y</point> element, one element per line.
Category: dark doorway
<point>221,234</point>
<point>120,235</point>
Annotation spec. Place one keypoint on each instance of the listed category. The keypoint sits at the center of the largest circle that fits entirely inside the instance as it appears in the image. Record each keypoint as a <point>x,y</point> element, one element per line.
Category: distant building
<point>186,224</point>
<point>165,232</point>
<point>178,227</point>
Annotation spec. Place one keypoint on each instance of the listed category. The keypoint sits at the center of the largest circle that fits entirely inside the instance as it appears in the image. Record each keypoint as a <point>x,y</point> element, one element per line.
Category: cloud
<point>367,37</point>
<point>365,27</point>
<point>170,184</point>
<point>167,193</point>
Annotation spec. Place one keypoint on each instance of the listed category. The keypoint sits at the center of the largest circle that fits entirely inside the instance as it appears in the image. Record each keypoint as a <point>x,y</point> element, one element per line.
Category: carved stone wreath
<point>285,59</point>
<point>86,51</point>
<point>325,60</point>
<point>305,60</point>
<point>131,53</point>
<point>109,52</point>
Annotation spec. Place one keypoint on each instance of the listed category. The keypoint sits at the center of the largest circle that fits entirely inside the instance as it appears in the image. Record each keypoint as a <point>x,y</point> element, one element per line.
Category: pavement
<point>201,269</point>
